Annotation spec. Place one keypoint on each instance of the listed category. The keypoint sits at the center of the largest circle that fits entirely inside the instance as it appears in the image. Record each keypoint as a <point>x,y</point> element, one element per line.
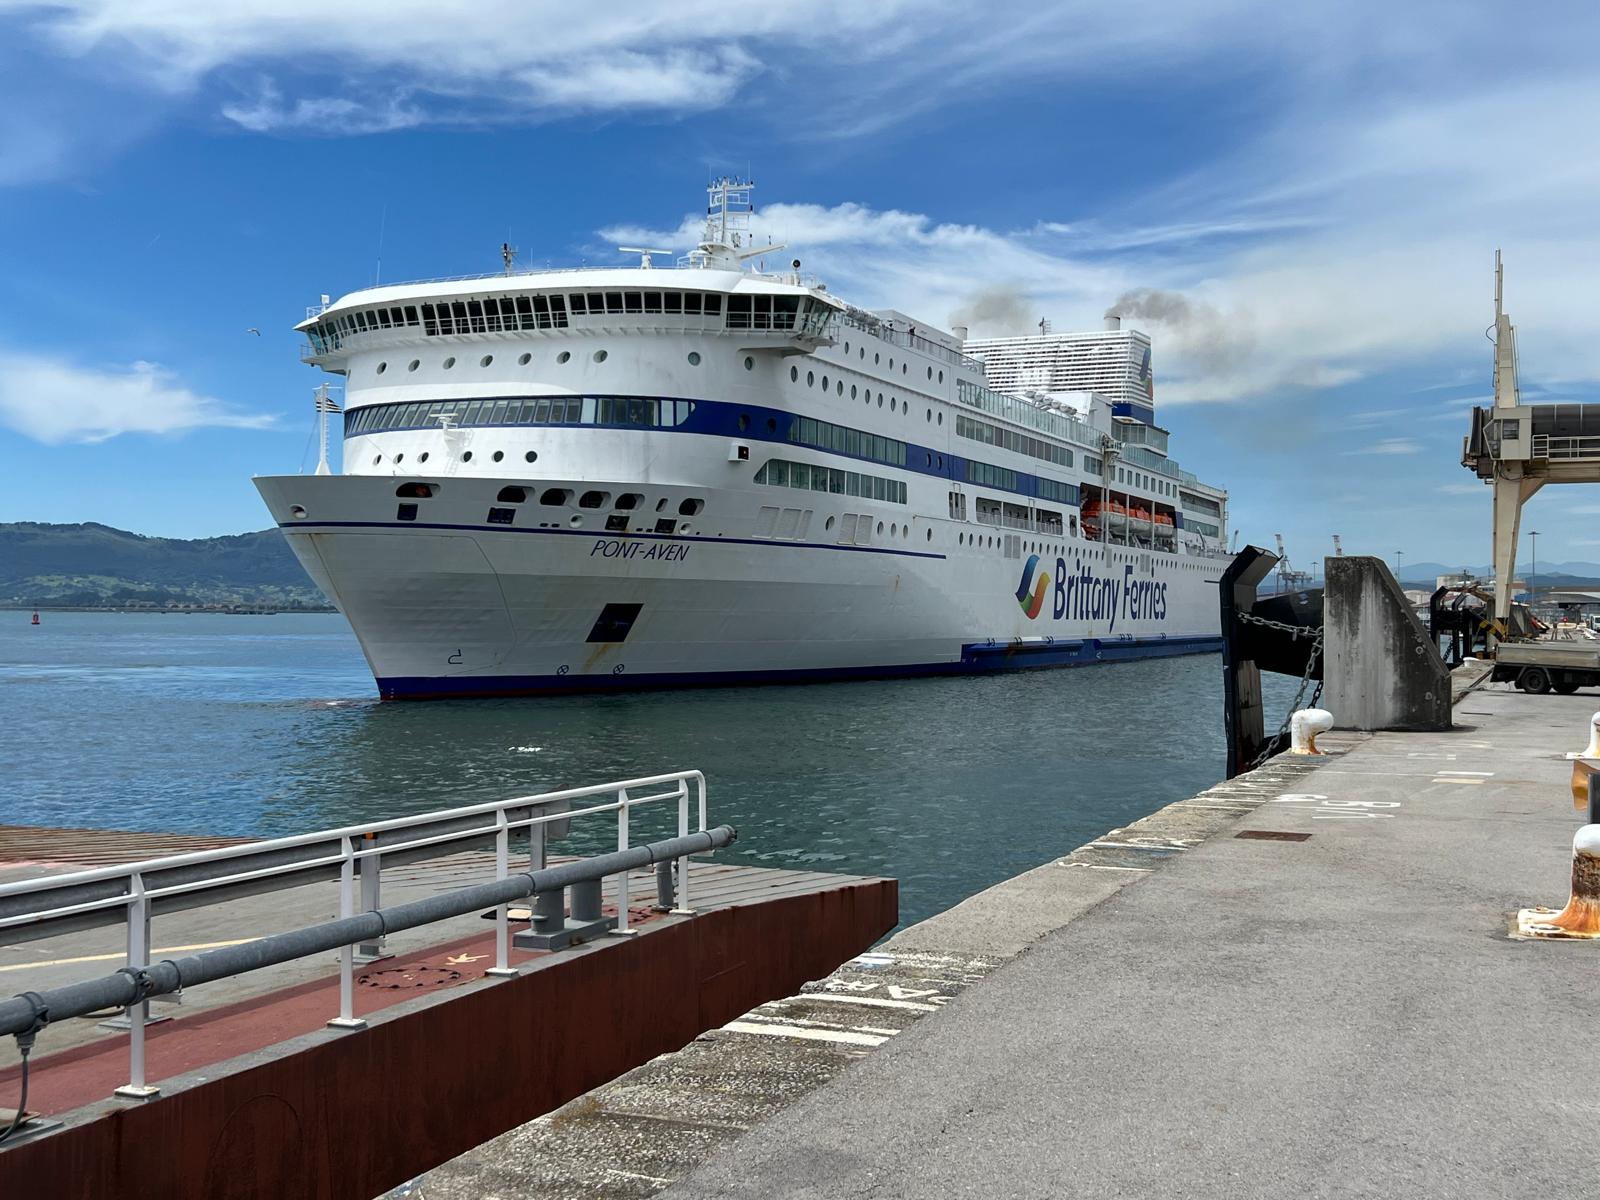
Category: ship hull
<point>445,604</point>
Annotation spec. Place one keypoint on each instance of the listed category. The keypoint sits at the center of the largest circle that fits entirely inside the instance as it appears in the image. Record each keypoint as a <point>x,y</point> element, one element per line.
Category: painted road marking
<point>1484,774</point>
<point>1104,867</point>
<point>1474,782</point>
<point>839,1037</point>
<point>872,1001</point>
<point>67,962</point>
<point>1338,810</point>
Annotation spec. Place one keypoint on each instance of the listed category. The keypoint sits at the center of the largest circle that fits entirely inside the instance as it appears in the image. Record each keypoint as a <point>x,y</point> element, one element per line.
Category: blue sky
<point>1325,185</point>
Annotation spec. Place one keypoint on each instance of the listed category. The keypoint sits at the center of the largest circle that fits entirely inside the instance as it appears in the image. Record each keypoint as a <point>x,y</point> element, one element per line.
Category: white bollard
<point>1306,724</point>
<point>1594,741</point>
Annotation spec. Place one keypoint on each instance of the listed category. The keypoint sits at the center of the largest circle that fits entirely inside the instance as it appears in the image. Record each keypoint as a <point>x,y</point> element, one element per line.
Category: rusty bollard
<point>1581,917</point>
<point>1304,726</point>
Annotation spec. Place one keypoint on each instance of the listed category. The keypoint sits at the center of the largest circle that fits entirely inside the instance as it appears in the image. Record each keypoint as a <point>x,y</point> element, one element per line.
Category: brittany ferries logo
<point>1082,593</point>
<point>1030,594</point>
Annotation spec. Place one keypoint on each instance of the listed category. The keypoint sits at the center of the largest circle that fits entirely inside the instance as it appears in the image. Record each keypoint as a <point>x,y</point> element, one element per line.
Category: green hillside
<point>93,565</point>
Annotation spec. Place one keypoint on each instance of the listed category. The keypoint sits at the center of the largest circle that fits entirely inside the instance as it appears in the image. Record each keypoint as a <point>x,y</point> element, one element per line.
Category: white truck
<point>1548,666</point>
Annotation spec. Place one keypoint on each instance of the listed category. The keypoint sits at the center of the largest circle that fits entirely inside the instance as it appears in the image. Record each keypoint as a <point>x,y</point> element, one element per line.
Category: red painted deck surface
<point>87,1073</point>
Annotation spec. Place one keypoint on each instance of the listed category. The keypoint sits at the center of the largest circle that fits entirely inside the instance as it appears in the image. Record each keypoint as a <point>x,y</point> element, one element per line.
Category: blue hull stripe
<point>606,536</point>
<point>977,658</point>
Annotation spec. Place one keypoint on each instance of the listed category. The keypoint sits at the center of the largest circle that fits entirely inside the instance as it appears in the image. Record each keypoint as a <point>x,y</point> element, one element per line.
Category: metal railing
<point>134,894</point>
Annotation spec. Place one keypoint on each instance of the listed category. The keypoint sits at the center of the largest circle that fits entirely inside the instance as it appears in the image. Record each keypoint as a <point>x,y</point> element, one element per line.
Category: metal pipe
<point>134,985</point>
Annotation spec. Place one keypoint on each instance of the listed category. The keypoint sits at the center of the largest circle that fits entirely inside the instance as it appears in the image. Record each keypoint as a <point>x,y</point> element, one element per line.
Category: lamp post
<point>1397,557</point>
<point>1533,570</point>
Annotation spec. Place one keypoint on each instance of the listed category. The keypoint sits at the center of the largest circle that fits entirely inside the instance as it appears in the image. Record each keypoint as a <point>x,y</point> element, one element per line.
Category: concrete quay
<point>1339,1016</point>
<point>1298,983</point>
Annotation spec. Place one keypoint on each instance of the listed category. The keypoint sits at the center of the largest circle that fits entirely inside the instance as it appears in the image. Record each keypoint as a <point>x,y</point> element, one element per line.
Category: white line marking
<point>810,1035</point>
<point>1103,867</point>
<point>1485,774</point>
<point>870,1001</point>
<point>63,962</point>
<point>1473,782</point>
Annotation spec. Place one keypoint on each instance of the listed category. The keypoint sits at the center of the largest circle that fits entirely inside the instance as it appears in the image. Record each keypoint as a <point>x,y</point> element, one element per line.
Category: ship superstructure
<point>660,476</point>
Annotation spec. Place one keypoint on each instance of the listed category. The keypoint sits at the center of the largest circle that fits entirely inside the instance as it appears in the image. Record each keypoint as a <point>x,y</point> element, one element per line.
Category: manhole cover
<point>1272,835</point>
<point>409,977</point>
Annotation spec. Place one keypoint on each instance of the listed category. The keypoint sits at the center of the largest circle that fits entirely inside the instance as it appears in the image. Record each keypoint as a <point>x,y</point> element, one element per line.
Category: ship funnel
<point>1113,322</point>
<point>961,332</point>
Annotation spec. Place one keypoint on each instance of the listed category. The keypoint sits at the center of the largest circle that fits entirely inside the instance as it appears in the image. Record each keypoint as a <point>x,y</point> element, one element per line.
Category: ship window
<point>524,359</point>
<point>652,302</point>
<point>414,490</point>
<point>794,374</point>
<point>413,364</point>
<point>713,303</point>
<point>691,508</point>
<point>666,525</point>
<point>597,303</point>
<point>691,302</point>
<point>811,379</point>
<point>617,523</point>
<point>694,358</point>
<point>502,516</point>
<point>599,356</point>
<point>564,356</point>
<point>673,301</point>
<point>577,304</point>
<point>531,456</point>
<point>594,499</point>
<point>556,497</point>
<point>749,363</point>
<point>633,302</point>
<point>448,363</point>
<point>423,457</point>
<point>852,391</point>
<point>525,312</point>
<point>613,302</point>
<point>661,504</point>
<point>499,454</point>
<point>838,388</point>
<point>629,500</point>
<point>382,367</point>
<point>466,456</point>
<point>405,512</point>
<point>486,360</point>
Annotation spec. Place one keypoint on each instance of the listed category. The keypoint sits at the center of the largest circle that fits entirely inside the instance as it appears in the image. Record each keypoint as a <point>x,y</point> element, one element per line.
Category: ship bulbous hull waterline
<point>458,594</point>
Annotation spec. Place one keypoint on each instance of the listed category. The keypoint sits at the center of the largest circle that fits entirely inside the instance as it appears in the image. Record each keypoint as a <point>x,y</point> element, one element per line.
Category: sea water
<point>269,725</point>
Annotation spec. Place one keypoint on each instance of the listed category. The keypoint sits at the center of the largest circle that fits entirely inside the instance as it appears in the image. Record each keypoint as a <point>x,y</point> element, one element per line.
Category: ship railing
<point>134,894</point>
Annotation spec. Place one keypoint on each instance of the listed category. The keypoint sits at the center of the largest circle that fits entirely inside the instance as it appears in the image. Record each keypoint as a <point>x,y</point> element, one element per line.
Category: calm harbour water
<point>267,725</point>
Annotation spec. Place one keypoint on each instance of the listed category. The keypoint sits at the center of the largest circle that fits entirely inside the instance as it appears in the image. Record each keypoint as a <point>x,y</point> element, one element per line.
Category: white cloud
<point>1389,446</point>
<point>53,401</point>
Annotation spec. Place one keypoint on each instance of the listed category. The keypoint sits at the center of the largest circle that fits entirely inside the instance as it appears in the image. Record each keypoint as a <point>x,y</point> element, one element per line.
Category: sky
<point>1322,187</point>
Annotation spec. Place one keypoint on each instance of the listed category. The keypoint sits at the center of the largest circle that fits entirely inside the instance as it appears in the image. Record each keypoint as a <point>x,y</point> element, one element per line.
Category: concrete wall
<point>1381,669</point>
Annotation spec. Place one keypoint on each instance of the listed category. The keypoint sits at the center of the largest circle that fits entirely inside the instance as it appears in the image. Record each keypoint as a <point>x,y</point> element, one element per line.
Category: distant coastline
<point>96,568</point>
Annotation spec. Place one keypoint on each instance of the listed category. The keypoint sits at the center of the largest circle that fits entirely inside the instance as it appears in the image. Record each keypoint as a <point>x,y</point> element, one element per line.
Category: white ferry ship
<point>605,479</point>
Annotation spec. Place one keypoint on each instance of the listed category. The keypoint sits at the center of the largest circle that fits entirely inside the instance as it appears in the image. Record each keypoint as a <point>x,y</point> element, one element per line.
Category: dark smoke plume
<point>996,312</point>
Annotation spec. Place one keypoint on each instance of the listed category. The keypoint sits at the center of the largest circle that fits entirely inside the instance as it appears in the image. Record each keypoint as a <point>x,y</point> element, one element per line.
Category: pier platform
<point>1319,999</point>
<point>1298,983</point>
<point>259,1096</point>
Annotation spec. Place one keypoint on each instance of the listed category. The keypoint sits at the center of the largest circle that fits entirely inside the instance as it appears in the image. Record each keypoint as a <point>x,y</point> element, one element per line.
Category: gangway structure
<point>1521,447</point>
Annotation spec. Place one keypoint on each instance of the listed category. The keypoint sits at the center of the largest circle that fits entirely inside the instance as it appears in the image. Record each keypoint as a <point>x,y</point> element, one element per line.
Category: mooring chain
<point>1314,632</point>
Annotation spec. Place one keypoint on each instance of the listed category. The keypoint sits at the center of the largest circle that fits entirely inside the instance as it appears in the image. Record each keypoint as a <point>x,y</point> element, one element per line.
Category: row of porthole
<point>563,358</point>
<point>466,456</point>
<point>903,532</point>
<point>861,353</point>
<point>894,401</point>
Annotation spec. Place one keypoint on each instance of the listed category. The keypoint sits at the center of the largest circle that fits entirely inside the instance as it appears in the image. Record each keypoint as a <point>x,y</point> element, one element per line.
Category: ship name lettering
<point>1082,595</point>
<point>615,548</point>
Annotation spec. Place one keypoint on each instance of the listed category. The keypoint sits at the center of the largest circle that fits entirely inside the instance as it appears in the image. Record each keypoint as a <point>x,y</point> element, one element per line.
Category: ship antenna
<point>508,255</point>
<point>325,405</point>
